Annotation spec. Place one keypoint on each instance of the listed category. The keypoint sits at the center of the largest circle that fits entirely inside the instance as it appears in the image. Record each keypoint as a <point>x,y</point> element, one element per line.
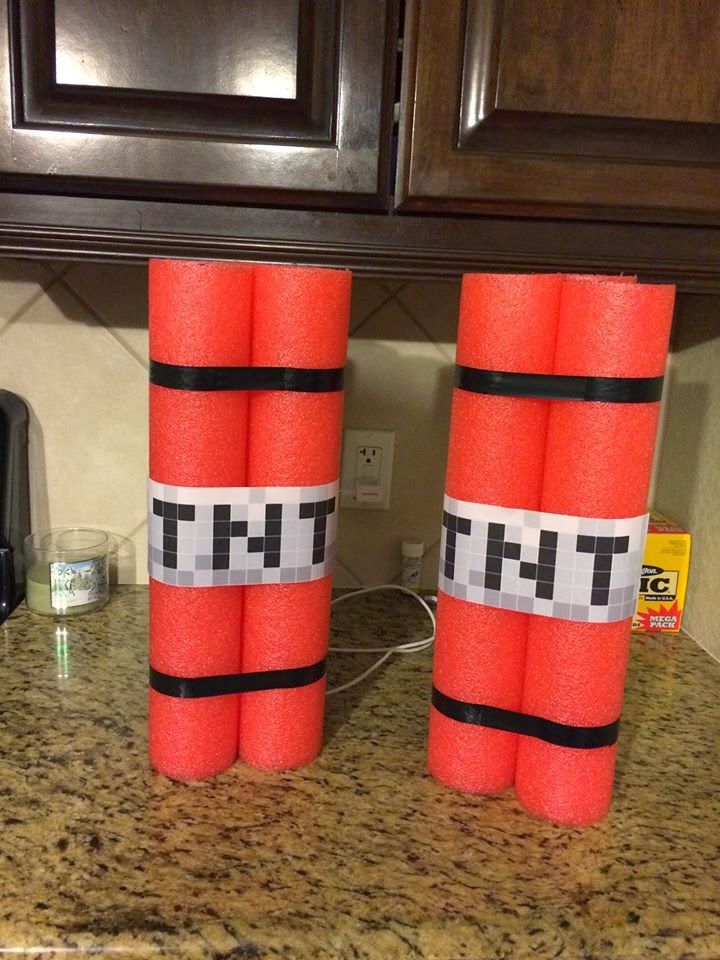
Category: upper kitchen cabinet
<point>599,109</point>
<point>263,101</point>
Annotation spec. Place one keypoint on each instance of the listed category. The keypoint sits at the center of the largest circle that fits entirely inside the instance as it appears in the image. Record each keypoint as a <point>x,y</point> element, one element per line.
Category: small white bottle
<point>412,554</point>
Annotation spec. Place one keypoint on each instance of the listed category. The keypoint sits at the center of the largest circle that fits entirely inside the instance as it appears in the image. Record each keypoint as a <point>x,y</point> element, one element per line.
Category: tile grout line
<point>63,271</point>
<point>428,336</point>
<point>21,311</point>
<point>386,286</point>
<point>136,529</point>
<point>350,571</point>
<point>137,573</point>
<point>390,296</point>
<point>99,319</point>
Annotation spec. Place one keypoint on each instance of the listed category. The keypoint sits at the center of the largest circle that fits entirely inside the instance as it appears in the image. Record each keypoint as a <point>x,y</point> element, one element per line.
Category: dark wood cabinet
<point>600,109</point>
<point>261,101</point>
<point>578,135</point>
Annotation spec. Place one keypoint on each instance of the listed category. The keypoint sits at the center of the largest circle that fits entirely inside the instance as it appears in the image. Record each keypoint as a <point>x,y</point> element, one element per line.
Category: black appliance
<point>14,499</point>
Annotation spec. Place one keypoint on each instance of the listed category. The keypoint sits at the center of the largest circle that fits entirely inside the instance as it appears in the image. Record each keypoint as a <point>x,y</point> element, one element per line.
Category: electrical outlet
<point>368,463</point>
<point>366,475</point>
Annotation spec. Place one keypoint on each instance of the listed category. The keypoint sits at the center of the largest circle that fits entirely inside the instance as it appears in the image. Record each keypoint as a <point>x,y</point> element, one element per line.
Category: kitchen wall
<point>73,342</point>
<point>688,474</point>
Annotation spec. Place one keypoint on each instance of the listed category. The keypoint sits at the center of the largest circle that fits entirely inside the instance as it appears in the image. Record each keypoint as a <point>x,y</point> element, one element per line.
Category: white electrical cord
<point>410,646</point>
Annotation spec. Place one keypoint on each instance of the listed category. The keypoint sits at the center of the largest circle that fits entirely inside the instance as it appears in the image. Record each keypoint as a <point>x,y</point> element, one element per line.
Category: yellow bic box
<point>663,584</point>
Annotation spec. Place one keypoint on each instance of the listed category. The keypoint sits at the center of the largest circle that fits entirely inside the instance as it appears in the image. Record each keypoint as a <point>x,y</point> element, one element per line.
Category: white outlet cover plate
<point>384,440</point>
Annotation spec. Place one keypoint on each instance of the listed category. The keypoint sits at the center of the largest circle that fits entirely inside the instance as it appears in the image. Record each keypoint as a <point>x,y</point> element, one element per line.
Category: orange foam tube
<point>496,454</point>
<point>200,314</point>
<point>598,463</point>
<point>300,319</point>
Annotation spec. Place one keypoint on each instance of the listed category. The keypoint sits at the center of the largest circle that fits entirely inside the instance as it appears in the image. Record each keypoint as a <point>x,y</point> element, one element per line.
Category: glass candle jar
<point>66,571</point>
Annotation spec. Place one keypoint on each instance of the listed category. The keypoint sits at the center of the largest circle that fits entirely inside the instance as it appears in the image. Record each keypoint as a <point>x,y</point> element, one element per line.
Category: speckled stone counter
<point>360,854</point>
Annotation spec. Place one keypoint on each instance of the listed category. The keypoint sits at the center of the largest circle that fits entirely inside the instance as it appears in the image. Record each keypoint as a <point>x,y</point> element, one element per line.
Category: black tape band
<point>561,734</point>
<point>219,686</point>
<point>550,386</point>
<point>299,379</point>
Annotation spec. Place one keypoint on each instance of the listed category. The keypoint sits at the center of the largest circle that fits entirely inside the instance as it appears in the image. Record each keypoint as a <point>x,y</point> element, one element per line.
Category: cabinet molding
<point>399,246</point>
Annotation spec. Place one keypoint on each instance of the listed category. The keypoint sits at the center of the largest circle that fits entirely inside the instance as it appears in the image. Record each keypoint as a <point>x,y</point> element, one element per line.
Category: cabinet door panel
<point>646,59</point>
<point>265,100</point>
<point>591,109</point>
<point>247,54</point>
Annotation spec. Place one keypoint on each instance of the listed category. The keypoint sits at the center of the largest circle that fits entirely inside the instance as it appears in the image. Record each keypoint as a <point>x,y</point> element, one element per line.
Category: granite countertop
<point>359,855</point>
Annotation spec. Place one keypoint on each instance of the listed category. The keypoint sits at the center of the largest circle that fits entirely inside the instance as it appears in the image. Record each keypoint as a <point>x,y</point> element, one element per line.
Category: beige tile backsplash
<point>73,343</point>
<point>87,395</point>
<point>688,467</point>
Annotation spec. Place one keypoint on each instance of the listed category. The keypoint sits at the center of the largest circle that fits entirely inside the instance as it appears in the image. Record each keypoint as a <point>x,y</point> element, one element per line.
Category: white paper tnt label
<point>220,536</point>
<point>572,568</point>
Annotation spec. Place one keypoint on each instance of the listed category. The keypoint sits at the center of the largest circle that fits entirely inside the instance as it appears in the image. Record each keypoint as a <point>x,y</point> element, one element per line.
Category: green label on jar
<point>79,583</point>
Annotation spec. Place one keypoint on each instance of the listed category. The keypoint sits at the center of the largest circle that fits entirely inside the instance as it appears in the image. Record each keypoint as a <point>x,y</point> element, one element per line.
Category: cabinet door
<point>269,101</point>
<point>583,108</point>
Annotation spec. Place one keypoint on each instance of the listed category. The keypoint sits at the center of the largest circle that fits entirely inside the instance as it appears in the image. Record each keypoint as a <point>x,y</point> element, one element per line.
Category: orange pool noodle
<point>200,314</point>
<point>300,319</point>
<point>597,464</point>
<point>496,454</point>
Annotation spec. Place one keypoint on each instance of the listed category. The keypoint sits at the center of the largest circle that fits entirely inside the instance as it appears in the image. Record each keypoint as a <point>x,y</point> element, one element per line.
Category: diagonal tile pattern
<point>117,297</point>
<point>87,396</point>
<point>73,342</point>
<point>398,380</point>
<point>22,282</point>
